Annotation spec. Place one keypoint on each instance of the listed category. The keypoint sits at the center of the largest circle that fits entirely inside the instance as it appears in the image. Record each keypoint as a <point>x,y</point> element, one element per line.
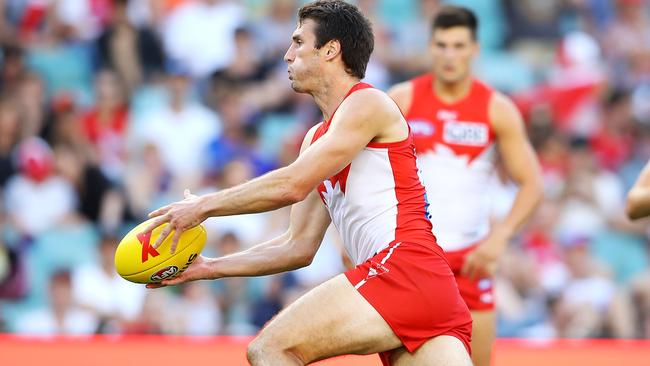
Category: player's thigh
<point>483,333</point>
<point>330,320</point>
<point>442,350</point>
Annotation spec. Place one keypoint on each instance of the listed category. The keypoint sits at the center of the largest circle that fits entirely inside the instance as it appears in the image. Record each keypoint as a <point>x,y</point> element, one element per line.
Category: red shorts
<point>478,294</point>
<point>412,288</point>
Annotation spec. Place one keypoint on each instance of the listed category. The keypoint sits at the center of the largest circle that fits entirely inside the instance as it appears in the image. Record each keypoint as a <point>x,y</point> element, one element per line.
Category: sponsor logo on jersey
<point>164,273</point>
<point>466,133</point>
<point>422,127</point>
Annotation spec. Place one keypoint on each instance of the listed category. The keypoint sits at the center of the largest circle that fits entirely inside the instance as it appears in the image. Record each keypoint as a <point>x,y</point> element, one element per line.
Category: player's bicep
<point>353,127</point>
<point>514,147</point>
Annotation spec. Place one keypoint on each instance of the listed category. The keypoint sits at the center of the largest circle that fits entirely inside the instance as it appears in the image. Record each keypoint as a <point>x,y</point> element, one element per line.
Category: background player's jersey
<point>456,154</point>
<point>378,198</point>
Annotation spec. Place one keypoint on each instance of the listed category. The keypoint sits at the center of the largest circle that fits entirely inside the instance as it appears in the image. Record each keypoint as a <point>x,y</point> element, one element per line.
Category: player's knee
<point>255,352</point>
<point>263,350</point>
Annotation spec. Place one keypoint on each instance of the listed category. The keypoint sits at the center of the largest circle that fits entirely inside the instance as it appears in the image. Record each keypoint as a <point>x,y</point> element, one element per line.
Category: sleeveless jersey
<point>456,155</point>
<point>378,198</point>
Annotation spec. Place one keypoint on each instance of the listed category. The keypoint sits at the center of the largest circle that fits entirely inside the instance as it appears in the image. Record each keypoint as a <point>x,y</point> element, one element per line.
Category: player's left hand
<point>482,262</point>
<point>198,270</point>
<point>181,215</point>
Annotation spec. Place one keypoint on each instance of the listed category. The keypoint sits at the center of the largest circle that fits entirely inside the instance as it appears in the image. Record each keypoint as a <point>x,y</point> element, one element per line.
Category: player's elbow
<point>296,190</point>
<point>303,252</point>
<point>305,259</point>
<point>534,188</point>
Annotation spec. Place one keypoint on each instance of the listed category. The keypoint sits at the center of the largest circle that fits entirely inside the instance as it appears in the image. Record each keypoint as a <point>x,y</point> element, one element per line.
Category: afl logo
<point>164,273</point>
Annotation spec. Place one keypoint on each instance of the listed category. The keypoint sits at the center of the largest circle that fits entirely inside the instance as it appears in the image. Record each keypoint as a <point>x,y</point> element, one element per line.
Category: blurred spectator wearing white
<point>99,289</point>
<point>197,311</point>
<point>181,129</point>
<point>201,34</point>
<point>62,317</point>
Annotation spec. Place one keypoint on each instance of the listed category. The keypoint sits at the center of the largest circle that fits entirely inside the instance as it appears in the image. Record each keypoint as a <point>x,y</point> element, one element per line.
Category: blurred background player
<point>459,126</point>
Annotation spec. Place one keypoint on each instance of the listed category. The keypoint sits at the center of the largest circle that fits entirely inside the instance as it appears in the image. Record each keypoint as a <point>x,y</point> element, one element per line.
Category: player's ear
<point>476,48</point>
<point>332,49</point>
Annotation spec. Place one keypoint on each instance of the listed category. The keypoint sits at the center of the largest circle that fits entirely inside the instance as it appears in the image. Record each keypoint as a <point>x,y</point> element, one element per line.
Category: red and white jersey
<point>378,198</point>
<point>456,156</point>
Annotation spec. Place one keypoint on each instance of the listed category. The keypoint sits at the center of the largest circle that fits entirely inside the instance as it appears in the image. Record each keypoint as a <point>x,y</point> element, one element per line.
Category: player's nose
<point>288,56</point>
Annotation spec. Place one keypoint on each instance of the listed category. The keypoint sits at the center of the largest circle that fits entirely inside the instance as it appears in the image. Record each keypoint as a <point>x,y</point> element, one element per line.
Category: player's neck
<point>332,93</point>
<point>452,92</point>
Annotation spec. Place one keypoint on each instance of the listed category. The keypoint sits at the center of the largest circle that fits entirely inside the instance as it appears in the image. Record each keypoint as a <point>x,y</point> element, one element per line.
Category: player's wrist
<point>212,269</point>
<point>205,206</point>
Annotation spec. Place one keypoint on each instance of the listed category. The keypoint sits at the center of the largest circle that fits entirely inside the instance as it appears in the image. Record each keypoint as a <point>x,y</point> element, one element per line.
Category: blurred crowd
<point>110,108</point>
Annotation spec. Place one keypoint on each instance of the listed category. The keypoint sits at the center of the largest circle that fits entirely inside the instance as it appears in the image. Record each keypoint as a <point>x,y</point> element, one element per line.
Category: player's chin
<point>297,87</point>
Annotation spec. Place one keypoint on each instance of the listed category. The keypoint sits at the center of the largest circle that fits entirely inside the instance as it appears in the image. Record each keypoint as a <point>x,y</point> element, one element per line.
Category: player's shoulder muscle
<point>402,94</point>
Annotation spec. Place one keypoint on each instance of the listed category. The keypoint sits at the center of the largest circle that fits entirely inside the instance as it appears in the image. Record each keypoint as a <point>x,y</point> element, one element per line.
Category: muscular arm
<point>362,117</point>
<point>293,249</point>
<point>638,199</point>
<point>520,162</point>
<point>367,115</point>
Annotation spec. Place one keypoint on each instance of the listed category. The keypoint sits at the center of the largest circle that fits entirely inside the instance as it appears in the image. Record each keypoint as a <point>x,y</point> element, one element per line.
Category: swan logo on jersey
<point>421,127</point>
<point>466,133</point>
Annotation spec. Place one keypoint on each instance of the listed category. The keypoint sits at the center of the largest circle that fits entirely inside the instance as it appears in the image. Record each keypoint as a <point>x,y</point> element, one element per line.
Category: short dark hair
<point>338,20</point>
<point>455,16</point>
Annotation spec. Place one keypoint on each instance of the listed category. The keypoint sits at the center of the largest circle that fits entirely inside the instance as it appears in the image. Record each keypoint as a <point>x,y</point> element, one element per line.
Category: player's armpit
<point>365,116</point>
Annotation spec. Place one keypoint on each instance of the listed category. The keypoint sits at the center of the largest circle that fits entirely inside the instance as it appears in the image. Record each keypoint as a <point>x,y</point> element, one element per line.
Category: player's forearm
<point>266,193</point>
<point>527,199</point>
<point>274,256</point>
<point>638,203</point>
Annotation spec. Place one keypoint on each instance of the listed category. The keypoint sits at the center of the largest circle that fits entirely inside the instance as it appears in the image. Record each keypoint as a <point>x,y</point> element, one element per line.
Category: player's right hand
<point>198,270</point>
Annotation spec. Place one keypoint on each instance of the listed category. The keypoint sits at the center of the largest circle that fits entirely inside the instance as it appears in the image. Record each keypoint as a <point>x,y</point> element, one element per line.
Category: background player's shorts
<point>478,294</point>
<point>412,287</point>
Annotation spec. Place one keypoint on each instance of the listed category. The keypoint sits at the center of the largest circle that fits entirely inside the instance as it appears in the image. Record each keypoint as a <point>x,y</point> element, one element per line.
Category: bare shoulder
<point>402,94</point>
<point>503,113</point>
<point>370,103</point>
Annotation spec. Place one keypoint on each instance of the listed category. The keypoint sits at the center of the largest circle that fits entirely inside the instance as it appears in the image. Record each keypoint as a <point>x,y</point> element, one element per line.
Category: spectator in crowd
<point>147,181</point>
<point>10,135</point>
<point>161,127</point>
<point>35,183</point>
<point>106,123</point>
<point>97,288</point>
<point>206,25</point>
<point>135,53</point>
<point>99,200</point>
<point>63,316</point>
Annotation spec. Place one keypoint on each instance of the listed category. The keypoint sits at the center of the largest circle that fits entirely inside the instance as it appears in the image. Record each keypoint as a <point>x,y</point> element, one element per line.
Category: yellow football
<point>137,261</point>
